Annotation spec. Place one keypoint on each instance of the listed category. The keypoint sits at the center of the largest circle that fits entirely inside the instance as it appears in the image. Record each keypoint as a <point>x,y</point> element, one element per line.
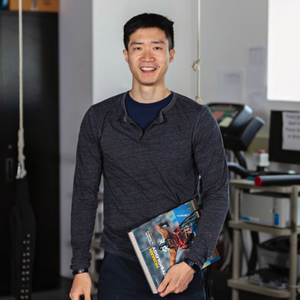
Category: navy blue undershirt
<point>143,114</point>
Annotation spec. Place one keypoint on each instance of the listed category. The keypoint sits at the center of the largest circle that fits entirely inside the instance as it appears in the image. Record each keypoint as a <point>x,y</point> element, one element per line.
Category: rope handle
<point>196,64</point>
<point>21,172</point>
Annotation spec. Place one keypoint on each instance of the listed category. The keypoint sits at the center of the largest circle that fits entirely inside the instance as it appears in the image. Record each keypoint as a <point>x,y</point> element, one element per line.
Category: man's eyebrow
<point>141,43</point>
<point>136,43</point>
<point>158,42</point>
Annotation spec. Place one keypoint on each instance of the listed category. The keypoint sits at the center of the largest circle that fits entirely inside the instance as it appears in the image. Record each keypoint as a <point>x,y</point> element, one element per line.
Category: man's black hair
<point>149,21</point>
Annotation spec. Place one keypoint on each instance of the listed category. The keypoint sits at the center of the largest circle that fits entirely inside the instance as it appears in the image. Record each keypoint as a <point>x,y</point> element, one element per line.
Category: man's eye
<point>157,48</point>
<point>137,48</point>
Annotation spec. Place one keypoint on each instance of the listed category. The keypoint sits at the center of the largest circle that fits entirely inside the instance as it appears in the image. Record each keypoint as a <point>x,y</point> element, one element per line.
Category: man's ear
<point>172,54</point>
<point>125,52</point>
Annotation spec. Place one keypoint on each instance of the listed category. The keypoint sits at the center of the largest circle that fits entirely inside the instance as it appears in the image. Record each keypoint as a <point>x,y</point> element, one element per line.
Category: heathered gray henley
<point>147,174</point>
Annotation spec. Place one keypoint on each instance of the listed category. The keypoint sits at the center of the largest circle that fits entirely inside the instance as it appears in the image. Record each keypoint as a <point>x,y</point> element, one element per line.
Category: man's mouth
<point>148,69</point>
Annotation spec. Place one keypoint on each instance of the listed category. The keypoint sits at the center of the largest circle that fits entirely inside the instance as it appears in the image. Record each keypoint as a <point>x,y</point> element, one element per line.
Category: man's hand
<point>176,280</point>
<point>82,285</point>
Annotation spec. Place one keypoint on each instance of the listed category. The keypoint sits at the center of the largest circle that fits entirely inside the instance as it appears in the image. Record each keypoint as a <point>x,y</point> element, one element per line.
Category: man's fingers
<point>82,297</point>
<point>162,286</point>
<point>168,287</point>
<point>79,297</point>
<point>176,280</point>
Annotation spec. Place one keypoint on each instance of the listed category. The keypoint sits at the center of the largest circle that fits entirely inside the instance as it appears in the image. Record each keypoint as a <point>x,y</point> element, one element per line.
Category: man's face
<point>148,56</point>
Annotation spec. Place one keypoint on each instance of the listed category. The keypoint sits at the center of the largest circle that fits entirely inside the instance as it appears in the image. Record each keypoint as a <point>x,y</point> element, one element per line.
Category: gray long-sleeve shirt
<point>146,174</point>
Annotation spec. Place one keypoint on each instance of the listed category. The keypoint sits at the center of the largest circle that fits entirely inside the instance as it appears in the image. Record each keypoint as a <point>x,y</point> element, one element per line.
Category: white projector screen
<point>284,50</point>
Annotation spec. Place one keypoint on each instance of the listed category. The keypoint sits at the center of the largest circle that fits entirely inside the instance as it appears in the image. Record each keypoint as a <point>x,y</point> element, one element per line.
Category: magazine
<point>164,241</point>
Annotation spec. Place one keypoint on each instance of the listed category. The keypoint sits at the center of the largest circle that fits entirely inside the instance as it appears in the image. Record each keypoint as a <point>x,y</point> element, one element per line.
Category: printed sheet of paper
<point>256,98</point>
<point>231,84</point>
<point>256,77</point>
<point>291,131</point>
<point>256,66</point>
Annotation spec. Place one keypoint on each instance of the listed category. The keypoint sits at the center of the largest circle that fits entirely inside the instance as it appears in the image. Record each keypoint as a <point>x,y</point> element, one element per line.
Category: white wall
<point>75,80</point>
<point>228,27</point>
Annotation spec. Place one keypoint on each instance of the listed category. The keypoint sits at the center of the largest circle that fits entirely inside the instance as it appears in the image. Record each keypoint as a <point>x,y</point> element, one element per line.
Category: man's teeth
<point>147,69</point>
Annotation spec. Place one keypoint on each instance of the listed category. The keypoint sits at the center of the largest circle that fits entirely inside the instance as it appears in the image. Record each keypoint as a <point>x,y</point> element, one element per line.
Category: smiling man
<point>152,146</point>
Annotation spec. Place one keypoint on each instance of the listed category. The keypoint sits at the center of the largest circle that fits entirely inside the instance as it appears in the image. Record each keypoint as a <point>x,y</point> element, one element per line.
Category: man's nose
<point>147,55</point>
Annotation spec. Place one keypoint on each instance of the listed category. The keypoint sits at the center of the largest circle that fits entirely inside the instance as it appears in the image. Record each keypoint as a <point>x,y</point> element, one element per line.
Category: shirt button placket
<point>140,136</point>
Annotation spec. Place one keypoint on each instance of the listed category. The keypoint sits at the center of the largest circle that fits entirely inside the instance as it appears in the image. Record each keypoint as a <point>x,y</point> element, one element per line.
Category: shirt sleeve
<point>210,159</point>
<point>85,190</point>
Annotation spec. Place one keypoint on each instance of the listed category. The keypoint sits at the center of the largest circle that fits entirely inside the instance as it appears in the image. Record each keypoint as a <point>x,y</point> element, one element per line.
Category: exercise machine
<point>238,129</point>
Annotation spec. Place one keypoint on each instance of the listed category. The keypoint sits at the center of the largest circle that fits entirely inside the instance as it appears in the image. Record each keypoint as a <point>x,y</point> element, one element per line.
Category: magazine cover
<point>164,241</point>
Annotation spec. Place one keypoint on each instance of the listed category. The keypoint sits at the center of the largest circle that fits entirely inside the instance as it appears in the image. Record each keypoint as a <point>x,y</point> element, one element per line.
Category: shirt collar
<point>161,115</point>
